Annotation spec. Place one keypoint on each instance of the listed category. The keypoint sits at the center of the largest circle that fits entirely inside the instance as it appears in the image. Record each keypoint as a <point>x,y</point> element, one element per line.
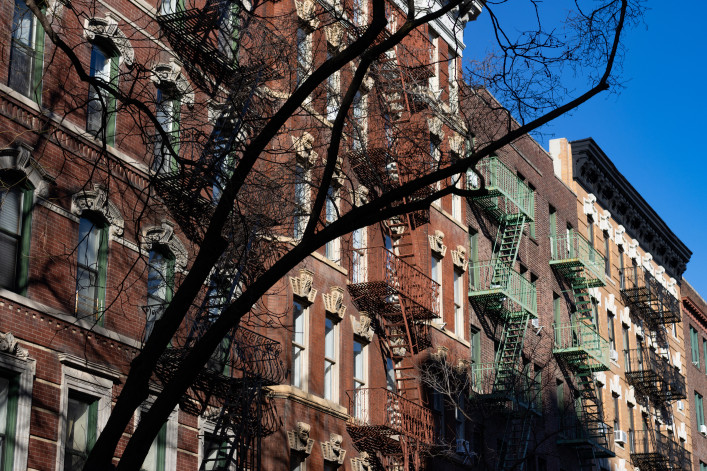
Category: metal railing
<point>647,297</point>
<point>380,407</point>
<point>572,248</point>
<point>398,277</point>
<point>578,338</point>
<point>516,385</point>
<point>502,182</point>
<point>515,287</point>
<point>652,374</point>
<point>651,447</point>
<point>574,429</point>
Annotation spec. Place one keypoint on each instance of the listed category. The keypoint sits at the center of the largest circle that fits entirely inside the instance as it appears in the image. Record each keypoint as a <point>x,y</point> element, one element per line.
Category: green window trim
<point>110,111</point>
<point>704,351</point>
<point>91,433</point>
<point>25,227</point>
<point>36,51</point>
<point>699,410</point>
<point>694,347</point>
<point>8,451</point>
<point>101,270</point>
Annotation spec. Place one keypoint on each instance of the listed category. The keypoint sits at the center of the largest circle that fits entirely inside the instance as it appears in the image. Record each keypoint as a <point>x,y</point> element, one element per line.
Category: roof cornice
<point>594,171</point>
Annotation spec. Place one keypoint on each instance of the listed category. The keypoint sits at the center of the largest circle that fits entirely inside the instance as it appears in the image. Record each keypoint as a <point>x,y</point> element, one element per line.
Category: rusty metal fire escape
<point>497,290</point>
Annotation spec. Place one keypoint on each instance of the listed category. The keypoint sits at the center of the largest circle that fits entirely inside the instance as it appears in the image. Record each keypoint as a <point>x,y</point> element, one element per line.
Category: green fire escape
<point>581,348</point>
<point>500,292</point>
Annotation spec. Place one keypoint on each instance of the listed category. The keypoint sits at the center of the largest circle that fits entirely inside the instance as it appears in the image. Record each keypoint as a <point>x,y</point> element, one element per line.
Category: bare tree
<point>254,176</point>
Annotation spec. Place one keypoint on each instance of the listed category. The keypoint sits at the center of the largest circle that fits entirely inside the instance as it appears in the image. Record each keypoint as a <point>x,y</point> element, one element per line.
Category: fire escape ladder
<point>506,247</point>
<point>509,353</point>
<point>584,311</point>
<point>516,439</point>
<point>592,420</point>
<point>392,82</point>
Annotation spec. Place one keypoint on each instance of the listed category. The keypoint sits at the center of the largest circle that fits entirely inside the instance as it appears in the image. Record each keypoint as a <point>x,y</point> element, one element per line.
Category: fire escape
<point>497,290</point>
<point>581,349</point>
<point>391,424</point>
<point>656,381</point>
<point>231,390</point>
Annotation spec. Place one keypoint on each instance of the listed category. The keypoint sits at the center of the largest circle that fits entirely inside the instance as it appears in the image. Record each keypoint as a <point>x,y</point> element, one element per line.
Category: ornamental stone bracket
<point>335,35</point>
<point>588,206</point>
<point>363,327</point>
<point>167,76</point>
<point>462,366</point>
<point>619,236</point>
<point>604,224</point>
<point>459,258</point>
<point>435,125</point>
<point>306,11</point>
<point>105,30</point>
<point>20,158</point>
<point>334,301</point>
<point>361,463</point>
<point>304,149</point>
<point>302,285</point>
<point>361,195</point>
<point>436,243</point>
<point>332,451</point>
<point>440,355</point>
<point>299,440</point>
<point>97,200</point>
<point>9,344</point>
<point>633,251</point>
<point>164,235</point>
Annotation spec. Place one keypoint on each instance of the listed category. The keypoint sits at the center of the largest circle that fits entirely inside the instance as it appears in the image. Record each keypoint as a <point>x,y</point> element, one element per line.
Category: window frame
<point>332,249</point>
<point>331,360</point>
<point>299,346</point>
<point>23,238</point>
<point>360,382</point>
<point>436,275</point>
<point>34,50</point>
<point>23,369</point>
<point>170,114</point>
<point>103,102</point>
<point>101,270</point>
<point>459,314</point>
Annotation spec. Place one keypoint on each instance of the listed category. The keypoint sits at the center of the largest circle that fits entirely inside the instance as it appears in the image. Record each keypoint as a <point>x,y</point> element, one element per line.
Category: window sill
<point>285,391</point>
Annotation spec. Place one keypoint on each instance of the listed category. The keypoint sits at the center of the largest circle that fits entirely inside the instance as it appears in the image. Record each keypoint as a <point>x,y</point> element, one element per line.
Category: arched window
<point>91,270</point>
<point>16,196</point>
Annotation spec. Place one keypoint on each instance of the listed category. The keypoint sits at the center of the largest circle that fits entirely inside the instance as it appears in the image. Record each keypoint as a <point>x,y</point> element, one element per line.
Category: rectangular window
<point>92,253</point>
<point>101,104</point>
<point>622,274</point>
<point>699,410</point>
<point>560,393</point>
<point>460,418</point>
<point>553,230</point>
<point>332,248</point>
<point>15,225</point>
<point>9,394</point>
<point>359,375</point>
<point>631,431</point>
<point>157,455</point>
<point>215,453</point>
<point>607,255</point>
<point>473,257</point>
<point>304,53</point>
<point>330,373</point>
<point>453,87</point>
<point>612,334</point>
<point>436,275</point>
<point>81,427</point>
<point>358,256</point>
<point>556,308</point>
<point>531,224</point>
<point>26,53</point>
<point>459,304</point>
<point>695,347</point>
<point>627,358</point>
<point>299,313</point>
<point>456,199</point>
<point>704,352</point>
<point>590,231</point>
<point>167,114</point>
<point>617,421</point>
<point>538,391</point>
<point>332,93</point>
<point>595,314</point>
<point>301,210</point>
<point>434,60</point>
<point>160,282</point>
<point>359,121</point>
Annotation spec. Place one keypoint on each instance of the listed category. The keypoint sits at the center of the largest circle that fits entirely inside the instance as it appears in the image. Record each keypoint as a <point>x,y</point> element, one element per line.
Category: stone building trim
<point>363,327</point>
<point>334,302</point>
<point>20,158</point>
<point>437,244</point>
<point>105,30</point>
<point>167,76</point>
<point>332,450</point>
<point>10,345</point>
<point>298,439</point>
<point>96,200</point>
<point>306,11</point>
<point>304,149</point>
<point>334,36</point>
<point>459,258</point>
<point>164,235</point>
<point>302,286</point>
<point>361,463</point>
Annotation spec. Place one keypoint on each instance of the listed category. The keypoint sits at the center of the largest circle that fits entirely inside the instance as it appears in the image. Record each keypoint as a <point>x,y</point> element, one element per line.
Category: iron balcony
<point>653,376</point>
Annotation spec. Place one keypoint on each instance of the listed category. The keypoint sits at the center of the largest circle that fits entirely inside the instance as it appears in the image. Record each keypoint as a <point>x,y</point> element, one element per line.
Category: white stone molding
<point>588,206</point>
<point>306,11</point>
<point>361,195</point>
<point>16,361</point>
<point>20,158</point>
<point>437,243</point>
<point>633,251</point>
<point>332,451</point>
<point>647,262</point>
<point>440,354</point>
<point>469,10</point>
<point>631,396</point>
<point>604,223</point>
<point>304,149</point>
<point>164,235</point>
<point>435,125</point>
<point>600,379</point>
<point>459,258</point>
<point>334,301</point>
<point>682,432</point>
<point>361,463</point>
<point>105,30</point>
<point>299,440</point>
<point>615,386</point>
<point>96,200</point>
<point>462,366</point>
<point>456,144</point>
<point>367,83</point>
<point>677,361</point>
<point>611,304</point>
<point>167,76</point>
<point>363,327</point>
<point>626,317</point>
<point>335,35</point>
<point>9,344</point>
<point>619,236</point>
<point>302,285</point>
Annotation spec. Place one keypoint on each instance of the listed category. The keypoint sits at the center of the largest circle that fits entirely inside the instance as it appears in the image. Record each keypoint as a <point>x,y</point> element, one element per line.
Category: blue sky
<point>653,129</point>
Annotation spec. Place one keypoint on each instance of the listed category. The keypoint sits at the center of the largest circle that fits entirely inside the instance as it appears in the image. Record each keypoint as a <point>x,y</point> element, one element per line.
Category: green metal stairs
<point>516,438</point>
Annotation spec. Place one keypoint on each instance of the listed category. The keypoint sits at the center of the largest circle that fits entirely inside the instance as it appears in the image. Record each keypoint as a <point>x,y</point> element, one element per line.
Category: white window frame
<point>331,360</point>
<point>332,249</point>
<point>459,304</point>
<point>170,455</point>
<point>25,368</point>
<point>301,380</point>
<point>359,256</point>
<point>436,275</point>
<point>360,406</point>
<point>302,198</point>
<point>456,199</point>
<point>303,57</point>
<point>333,92</point>
<point>207,426</point>
<point>453,87</point>
<point>434,59</point>
<point>90,381</point>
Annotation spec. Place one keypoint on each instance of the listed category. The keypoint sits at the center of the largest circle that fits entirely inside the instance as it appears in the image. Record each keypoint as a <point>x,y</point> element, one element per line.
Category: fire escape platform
<point>653,376</point>
<point>648,298</point>
<point>573,256</point>
<point>581,346</point>
<point>596,441</point>
<point>520,292</point>
<point>654,451</point>
<point>508,195</point>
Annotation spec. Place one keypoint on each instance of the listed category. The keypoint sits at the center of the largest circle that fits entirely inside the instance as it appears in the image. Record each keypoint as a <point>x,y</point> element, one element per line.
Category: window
<point>167,7</point>
<point>456,199</point>
<point>15,225</point>
<point>622,274</point>
<point>157,455</point>
<point>607,255</point>
<point>215,452</point>
<point>359,122</point>
<point>167,114</point>
<point>537,389</point>
<point>694,347</point>
<point>359,375</point>
<point>390,377</point>
<point>298,345</point>
<point>332,93</point>
<point>359,12</point>
<point>531,224</point>
<point>556,310</point>
<point>699,410</point>
<point>358,256</point>
<point>590,231</point>
<point>304,55</point>
<point>301,202</point>
<point>436,275</point>
<point>92,254</point>
<point>438,408</point>
<point>627,357</point>
<point>631,430</point>
<point>332,248</point>
<point>453,87</point>
<point>434,60</point>
<point>704,351</point>
<point>26,53</point>
<point>160,282</point>
<point>460,418</point>
<point>223,141</point>
<point>595,314</point>
<point>617,421</point>
<point>612,335</point>
<point>101,104</point>
<point>81,430</point>
<point>459,304</point>
<point>330,361</point>
<point>9,393</point>
<point>560,394</point>
<point>703,466</point>
<point>553,229</point>
<point>474,257</point>
<point>298,462</point>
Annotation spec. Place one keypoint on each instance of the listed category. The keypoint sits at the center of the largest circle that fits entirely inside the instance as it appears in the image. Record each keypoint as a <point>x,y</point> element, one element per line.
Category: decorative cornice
<point>459,258</point>
<point>299,440</point>
<point>306,11</point>
<point>334,35</point>
<point>9,344</point>
<point>362,463</point>
<point>597,174</point>
<point>363,327</point>
<point>106,30</point>
<point>436,243</point>
<point>334,301</point>
<point>20,158</point>
<point>164,235</point>
<point>167,76</point>
<point>97,200</point>
<point>304,149</point>
<point>302,286</point>
<point>332,451</point>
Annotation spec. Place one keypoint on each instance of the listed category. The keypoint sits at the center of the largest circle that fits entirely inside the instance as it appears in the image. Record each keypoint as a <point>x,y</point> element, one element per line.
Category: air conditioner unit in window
<point>463,446</point>
<point>703,430</point>
<point>535,323</point>
<point>681,405</point>
<point>620,437</point>
<point>614,355</point>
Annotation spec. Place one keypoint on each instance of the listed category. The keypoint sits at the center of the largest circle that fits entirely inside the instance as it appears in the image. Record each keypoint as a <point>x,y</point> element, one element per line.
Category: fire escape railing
<point>581,345</point>
<point>572,251</point>
<point>651,450</point>
<point>648,298</point>
<point>511,286</point>
<point>654,376</point>
<point>574,431</point>
<point>507,194</point>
